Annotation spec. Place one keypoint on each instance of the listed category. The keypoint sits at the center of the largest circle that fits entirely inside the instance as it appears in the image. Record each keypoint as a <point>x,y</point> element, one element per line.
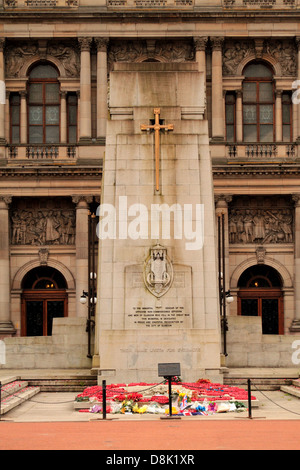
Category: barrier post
<point>104,398</point>
<point>249,400</point>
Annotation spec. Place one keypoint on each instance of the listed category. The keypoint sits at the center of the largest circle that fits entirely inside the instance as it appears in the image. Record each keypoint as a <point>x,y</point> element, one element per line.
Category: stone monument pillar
<point>157,277</point>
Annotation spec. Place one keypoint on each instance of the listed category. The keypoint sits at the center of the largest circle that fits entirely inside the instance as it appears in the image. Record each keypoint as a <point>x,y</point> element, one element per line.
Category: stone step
<point>291,390</point>
<point>53,384</point>
<point>14,393</point>
<point>264,384</point>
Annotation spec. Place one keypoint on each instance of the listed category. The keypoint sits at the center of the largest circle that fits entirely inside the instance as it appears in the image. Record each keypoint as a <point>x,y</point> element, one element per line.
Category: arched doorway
<point>260,294</point>
<point>44,297</point>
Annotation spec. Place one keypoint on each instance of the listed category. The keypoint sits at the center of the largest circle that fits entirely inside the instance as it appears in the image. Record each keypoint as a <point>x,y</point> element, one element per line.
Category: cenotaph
<point>157,275</point>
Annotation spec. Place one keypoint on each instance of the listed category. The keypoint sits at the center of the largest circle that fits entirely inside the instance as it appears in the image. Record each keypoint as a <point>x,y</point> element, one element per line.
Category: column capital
<point>296,199</point>
<point>85,43</point>
<point>81,200</point>
<point>200,43</point>
<point>217,43</point>
<point>102,44</point>
<point>6,200</point>
<point>2,44</point>
<point>278,93</point>
<point>222,200</point>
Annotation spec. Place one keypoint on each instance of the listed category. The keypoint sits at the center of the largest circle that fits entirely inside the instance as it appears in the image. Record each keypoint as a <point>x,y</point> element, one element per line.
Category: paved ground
<point>49,422</point>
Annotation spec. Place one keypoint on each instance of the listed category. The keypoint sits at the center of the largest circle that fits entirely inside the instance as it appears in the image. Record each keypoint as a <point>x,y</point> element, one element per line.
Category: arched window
<point>258,103</point>
<point>260,294</point>
<point>43,105</point>
<point>44,297</point>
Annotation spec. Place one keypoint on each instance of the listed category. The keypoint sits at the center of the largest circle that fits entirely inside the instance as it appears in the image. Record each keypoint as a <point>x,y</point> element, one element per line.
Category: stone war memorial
<point>157,276</point>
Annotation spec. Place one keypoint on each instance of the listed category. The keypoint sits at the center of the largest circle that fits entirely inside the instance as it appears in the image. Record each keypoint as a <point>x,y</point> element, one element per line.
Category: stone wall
<point>65,349</point>
<point>248,347</point>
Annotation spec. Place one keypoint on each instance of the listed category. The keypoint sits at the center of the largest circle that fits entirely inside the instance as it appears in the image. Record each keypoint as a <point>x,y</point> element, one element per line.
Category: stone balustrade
<point>41,152</point>
<point>261,151</point>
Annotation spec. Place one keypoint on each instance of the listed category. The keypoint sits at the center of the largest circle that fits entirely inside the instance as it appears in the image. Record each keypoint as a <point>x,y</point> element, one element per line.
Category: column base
<point>101,140</point>
<point>295,326</point>
<point>85,140</point>
<point>7,329</point>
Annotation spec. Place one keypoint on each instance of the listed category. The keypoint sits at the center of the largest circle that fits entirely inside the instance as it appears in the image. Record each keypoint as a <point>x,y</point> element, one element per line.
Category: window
<point>230,117</point>
<point>15,118</point>
<point>287,131</point>
<point>72,118</point>
<point>260,294</point>
<point>258,104</point>
<point>43,105</point>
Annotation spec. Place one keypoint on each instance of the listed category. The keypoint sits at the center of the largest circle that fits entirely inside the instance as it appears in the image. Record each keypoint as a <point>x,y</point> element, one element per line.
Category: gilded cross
<point>157,127</point>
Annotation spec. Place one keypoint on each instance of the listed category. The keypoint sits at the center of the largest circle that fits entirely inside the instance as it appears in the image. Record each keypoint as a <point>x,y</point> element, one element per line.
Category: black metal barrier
<point>104,399</point>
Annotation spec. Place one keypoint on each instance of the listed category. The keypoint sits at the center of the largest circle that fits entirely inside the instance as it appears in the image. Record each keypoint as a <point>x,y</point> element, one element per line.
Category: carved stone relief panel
<point>17,54</point>
<point>136,51</point>
<point>261,220</point>
<point>42,222</point>
<point>281,51</point>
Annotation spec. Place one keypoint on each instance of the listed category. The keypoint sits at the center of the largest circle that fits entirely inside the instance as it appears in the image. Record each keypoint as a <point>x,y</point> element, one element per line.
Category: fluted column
<point>217,89</point>
<point>102,109</point>
<point>23,117</point>
<point>6,326</point>
<point>85,90</point>
<point>2,94</point>
<point>278,116</point>
<point>63,117</point>
<point>82,251</point>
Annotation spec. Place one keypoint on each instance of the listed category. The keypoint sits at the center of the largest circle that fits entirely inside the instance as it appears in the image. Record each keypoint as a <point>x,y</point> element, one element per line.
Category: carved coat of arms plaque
<point>158,271</point>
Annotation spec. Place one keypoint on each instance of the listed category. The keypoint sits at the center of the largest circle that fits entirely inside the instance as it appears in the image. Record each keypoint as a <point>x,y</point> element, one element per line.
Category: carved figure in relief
<point>43,227</point>
<point>52,234</point>
<point>233,56</point>
<point>260,226</point>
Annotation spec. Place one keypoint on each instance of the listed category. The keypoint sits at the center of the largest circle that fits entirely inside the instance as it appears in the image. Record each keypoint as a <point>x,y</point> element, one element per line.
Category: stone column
<point>295,327</point>
<point>85,90</point>
<point>23,117</point>
<point>217,89</point>
<point>278,116</point>
<point>6,326</point>
<point>82,214</point>
<point>2,93</point>
<point>102,108</point>
<point>7,117</point>
<point>200,51</point>
<point>63,117</point>
<point>297,104</point>
<point>239,115</point>
<point>222,202</point>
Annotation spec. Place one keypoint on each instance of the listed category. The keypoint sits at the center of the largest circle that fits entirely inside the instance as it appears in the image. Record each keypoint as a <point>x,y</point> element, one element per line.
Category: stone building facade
<point>55,61</point>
